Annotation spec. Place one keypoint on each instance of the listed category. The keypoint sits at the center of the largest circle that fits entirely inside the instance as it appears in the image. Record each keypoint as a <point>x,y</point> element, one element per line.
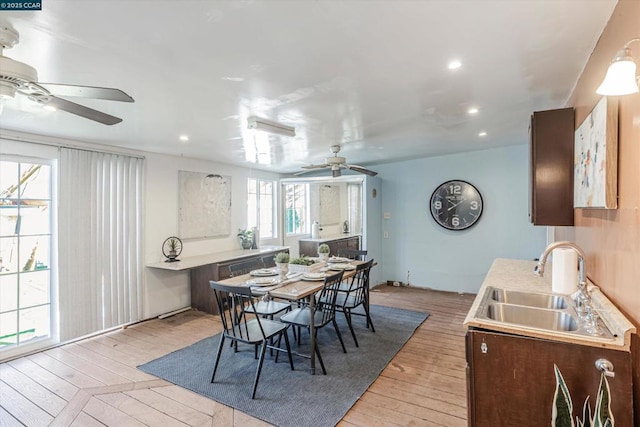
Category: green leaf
<point>603,414</point>
<point>586,414</point>
<point>561,415</point>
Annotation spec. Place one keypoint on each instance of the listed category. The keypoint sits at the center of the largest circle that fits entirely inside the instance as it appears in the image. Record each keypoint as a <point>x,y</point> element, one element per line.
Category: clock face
<point>456,205</point>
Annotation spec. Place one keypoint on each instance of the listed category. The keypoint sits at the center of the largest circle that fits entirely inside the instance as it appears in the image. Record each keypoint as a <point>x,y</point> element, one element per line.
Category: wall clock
<point>456,205</point>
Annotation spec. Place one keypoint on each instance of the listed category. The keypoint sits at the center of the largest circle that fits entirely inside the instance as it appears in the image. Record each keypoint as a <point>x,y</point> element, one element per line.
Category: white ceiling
<point>370,75</point>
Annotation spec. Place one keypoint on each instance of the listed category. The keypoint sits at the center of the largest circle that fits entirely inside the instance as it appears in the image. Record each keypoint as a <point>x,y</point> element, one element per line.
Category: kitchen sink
<point>529,299</point>
<point>552,320</point>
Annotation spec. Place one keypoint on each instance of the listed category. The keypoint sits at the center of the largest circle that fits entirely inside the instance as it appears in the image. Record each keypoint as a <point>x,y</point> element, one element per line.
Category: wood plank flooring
<point>95,382</point>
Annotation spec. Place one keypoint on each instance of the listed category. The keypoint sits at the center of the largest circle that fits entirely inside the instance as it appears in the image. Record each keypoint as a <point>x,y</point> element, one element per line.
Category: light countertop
<point>330,238</point>
<point>187,263</point>
<point>518,275</point>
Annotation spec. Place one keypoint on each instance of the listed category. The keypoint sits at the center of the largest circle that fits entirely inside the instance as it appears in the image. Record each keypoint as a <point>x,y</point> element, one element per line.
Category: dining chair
<point>325,313</point>
<point>241,326</point>
<point>355,296</point>
<point>356,254</point>
<point>265,307</point>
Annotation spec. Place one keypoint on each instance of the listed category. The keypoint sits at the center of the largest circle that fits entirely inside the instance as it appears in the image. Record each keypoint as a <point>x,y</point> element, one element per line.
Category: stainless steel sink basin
<point>552,320</point>
<point>529,299</point>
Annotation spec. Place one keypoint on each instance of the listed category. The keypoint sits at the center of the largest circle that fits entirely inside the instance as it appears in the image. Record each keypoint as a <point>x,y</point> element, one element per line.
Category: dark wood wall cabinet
<point>551,167</point>
<point>202,297</point>
<point>511,380</point>
<point>309,247</point>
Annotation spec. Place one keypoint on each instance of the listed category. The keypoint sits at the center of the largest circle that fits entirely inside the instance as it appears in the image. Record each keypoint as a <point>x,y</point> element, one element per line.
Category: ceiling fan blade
<point>360,169</point>
<point>315,166</point>
<point>81,110</point>
<point>107,93</point>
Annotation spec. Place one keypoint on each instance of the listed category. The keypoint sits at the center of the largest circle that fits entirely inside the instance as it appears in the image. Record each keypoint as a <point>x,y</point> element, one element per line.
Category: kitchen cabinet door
<point>511,380</point>
<point>551,167</point>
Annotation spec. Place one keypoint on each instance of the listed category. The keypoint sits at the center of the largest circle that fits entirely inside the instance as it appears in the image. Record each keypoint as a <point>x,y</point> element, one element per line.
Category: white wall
<point>166,290</point>
<point>456,260</point>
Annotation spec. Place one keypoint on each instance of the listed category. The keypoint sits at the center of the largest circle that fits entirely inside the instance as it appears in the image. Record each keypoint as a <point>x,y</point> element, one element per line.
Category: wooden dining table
<point>296,289</point>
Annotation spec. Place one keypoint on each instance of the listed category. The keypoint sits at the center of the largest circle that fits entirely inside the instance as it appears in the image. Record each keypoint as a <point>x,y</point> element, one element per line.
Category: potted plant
<point>562,413</point>
<point>173,247</point>
<point>246,238</point>
<point>300,265</point>
<point>282,262</point>
<point>323,251</point>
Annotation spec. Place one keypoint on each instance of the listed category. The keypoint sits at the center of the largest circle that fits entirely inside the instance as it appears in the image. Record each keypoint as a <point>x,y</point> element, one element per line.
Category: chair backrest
<point>356,254</point>
<point>327,298</point>
<point>245,267</point>
<point>268,261</point>
<point>233,302</point>
<point>360,283</point>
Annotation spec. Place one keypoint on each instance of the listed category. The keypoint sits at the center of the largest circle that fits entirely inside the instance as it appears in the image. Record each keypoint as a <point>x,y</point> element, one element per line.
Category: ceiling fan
<point>336,163</point>
<point>18,77</point>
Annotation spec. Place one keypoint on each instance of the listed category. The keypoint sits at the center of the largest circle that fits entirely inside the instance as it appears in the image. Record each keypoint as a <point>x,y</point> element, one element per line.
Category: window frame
<point>306,229</point>
<point>259,208</point>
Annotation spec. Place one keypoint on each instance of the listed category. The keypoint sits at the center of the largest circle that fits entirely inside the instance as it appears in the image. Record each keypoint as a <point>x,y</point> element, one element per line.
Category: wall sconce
<point>621,75</point>
<point>265,125</point>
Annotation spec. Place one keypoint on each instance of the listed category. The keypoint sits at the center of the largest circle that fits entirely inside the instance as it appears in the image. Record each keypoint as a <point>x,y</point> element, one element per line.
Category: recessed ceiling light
<point>483,133</point>
<point>454,65</point>
<point>473,110</point>
<point>50,108</point>
<point>184,138</point>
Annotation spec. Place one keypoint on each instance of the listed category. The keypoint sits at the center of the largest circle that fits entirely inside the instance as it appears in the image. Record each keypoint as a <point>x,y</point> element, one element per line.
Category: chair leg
<point>347,315</point>
<point>286,341</point>
<point>369,321</point>
<point>218,353</point>
<point>324,371</point>
<point>263,349</point>
<point>279,341</point>
<point>335,326</point>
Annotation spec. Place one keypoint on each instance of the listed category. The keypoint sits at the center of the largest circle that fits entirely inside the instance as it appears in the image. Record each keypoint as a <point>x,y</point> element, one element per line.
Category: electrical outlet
<point>385,235</point>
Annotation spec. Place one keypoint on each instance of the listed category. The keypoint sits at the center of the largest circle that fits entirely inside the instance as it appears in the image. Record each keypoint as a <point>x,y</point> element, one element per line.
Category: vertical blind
<point>100,260</point>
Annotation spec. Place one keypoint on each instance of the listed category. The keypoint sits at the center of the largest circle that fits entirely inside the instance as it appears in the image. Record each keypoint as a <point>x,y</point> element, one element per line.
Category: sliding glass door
<point>25,253</point>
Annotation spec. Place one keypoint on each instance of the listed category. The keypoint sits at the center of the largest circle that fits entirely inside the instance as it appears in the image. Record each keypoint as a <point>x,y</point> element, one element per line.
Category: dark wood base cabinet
<point>511,380</point>
<point>202,297</point>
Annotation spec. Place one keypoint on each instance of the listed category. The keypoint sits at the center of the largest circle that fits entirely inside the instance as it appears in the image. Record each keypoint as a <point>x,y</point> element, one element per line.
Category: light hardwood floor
<point>95,382</point>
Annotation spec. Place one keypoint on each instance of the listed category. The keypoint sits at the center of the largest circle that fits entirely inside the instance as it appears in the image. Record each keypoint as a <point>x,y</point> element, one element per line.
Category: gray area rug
<point>294,398</point>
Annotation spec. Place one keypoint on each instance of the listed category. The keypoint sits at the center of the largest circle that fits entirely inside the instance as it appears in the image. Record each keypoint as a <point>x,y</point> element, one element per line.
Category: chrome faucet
<point>583,300</point>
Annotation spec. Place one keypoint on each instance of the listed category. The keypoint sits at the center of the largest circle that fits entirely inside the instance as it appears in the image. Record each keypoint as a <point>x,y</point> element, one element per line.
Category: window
<point>25,252</point>
<point>296,215</point>
<point>261,207</point>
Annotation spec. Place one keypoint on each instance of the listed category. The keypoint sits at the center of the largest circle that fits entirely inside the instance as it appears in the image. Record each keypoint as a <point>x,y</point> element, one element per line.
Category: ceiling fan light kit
<point>621,76</point>
<point>19,78</point>
<point>269,126</point>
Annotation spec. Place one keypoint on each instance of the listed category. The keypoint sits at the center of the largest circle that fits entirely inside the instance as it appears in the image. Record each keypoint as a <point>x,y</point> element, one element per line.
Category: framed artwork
<point>595,179</point>
<point>204,205</point>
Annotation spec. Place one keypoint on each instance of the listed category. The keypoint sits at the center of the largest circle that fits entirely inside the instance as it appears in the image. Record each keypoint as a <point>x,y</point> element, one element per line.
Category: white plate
<point>265,272</point>
<point>338,259</point>
<point>314,276</point>
<point>262,281</point>
<point>342,267</point>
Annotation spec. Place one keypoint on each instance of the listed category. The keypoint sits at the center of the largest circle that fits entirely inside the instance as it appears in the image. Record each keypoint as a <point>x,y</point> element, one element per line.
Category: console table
<point>309,247</point>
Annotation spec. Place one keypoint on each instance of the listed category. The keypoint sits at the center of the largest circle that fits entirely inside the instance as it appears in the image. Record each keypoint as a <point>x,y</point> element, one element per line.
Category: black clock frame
<point>444,224</point>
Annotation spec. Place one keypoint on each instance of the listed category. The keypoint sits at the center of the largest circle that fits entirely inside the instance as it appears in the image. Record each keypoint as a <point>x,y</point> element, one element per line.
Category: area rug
<point>294,398</point>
